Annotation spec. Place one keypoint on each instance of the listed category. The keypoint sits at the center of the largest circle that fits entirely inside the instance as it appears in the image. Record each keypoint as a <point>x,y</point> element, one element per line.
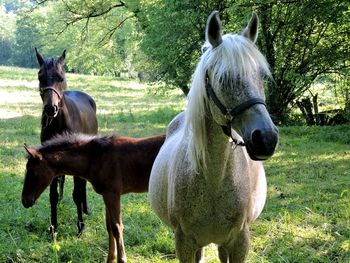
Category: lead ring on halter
<point>230,114</point>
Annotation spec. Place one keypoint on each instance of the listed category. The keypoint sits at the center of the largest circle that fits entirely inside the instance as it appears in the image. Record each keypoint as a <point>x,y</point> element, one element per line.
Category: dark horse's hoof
<point>86,210</point>
<point>81,227</point>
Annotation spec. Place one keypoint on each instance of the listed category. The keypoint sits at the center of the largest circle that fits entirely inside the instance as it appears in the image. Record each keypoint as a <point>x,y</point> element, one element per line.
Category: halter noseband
<point>49,88</point>
<point>49,119</point>
<point>230,114</point>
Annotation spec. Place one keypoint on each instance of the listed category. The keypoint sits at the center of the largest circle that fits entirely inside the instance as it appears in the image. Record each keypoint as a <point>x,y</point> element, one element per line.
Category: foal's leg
<point>53,203</point>
<point>61,180</point>
<point>186,247</point>
<point>112,248</point>
<point>115,230</point>
<point>78,200</point>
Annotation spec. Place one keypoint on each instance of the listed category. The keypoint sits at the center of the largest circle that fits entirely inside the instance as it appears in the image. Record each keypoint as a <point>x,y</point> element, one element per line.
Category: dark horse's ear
<point>32,152</point>
<point>251,31</point>
<point>62,58</point>
<point>39,57</point>
<point>213,32</point>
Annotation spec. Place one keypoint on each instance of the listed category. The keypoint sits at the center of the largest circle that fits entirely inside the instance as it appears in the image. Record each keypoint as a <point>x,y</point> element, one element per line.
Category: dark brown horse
<point>113,165</point>
<point>64,111</point>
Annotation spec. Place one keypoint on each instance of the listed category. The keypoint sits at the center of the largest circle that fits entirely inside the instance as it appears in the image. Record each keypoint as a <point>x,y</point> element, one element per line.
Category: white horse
<point>208,181</point>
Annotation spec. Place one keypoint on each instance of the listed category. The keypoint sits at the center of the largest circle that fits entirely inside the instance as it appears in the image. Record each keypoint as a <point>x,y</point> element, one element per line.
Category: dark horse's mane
<point>70,140</point>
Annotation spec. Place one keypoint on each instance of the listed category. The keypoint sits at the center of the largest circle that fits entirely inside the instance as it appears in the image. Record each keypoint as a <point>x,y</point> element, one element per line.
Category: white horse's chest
<point>203,207</point>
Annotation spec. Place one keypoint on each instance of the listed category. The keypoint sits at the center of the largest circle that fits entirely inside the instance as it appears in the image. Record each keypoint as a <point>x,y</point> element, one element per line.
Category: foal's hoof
<point>81,227</point>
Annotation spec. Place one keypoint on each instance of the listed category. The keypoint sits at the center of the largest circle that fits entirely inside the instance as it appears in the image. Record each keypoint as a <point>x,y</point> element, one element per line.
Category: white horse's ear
<point>213,32</point>
<point>251,31</point>
<point>39,57</point>
<point>32,152</point>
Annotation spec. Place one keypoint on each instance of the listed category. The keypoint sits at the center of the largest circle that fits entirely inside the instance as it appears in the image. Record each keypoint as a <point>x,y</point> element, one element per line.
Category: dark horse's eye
<point>59,78</point>
<point>42,82</point>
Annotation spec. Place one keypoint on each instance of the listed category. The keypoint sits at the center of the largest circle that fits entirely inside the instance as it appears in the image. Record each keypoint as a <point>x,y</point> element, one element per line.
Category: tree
<point>302,39</point>
<point>7,35</point>
<point>88,32</point>
<point>173,32</point>
<point>30,26</point>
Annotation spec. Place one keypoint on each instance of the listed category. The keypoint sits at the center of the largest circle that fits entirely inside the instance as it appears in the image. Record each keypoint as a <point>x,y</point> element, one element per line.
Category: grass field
<point>306,217</point>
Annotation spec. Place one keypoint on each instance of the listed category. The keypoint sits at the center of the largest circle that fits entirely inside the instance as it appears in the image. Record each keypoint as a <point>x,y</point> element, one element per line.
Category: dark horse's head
<point>52,82</point>
<point>38,176</point>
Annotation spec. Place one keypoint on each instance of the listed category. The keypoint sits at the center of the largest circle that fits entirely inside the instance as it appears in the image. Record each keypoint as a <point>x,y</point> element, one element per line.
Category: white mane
<point>235,56</point>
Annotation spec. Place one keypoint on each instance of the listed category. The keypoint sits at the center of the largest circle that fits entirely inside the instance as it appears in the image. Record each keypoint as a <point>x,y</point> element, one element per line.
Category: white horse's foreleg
<point>185,247</point>
<point>223,255</point>
<point>238,249</point>
<point>199,256</point>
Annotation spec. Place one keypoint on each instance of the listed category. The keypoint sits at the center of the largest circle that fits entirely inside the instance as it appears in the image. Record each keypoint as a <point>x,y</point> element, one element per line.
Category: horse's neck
<point>219,151</point>
<point>72,161</point>
<point>65,108</point>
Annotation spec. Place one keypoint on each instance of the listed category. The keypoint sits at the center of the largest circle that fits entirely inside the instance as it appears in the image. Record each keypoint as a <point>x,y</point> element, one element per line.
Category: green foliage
<point>173,32</point>
<point>92,47</point>
<point>160,40</point>
<point>301,40</point>
<point>29,34</point>
<point>7,36</point>
<point>306,217</point>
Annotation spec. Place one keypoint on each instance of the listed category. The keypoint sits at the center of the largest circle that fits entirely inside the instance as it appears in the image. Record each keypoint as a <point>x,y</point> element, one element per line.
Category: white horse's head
<point>228,83</point>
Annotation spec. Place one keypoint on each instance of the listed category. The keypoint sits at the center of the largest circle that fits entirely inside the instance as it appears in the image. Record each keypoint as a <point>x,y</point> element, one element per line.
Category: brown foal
<point>114,165</point>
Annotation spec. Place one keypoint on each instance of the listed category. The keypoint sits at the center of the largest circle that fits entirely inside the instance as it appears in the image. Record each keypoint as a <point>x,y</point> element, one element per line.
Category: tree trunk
<point>305,106</point>
<point>315,105</point>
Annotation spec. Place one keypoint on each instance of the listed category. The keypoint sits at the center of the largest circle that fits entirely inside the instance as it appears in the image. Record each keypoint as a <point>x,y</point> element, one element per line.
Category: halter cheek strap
<point>230,114</point>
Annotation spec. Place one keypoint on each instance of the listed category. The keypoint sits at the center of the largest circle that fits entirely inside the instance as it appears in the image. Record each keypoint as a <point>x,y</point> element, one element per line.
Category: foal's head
<point>38,176</point>
<point>52,82</point>
<point>230,76</point>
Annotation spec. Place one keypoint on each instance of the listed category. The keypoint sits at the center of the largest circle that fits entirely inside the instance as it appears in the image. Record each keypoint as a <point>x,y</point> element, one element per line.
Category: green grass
<point>306,217</point>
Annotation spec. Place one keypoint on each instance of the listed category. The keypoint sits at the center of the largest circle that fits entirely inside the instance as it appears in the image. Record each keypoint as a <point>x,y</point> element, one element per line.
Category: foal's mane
<point>235,58</point>
<point>66,141</point>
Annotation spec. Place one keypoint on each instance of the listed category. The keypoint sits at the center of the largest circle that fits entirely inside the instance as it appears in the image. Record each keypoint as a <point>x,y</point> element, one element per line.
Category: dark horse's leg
<point>53,201</point>
<point>79,197</point>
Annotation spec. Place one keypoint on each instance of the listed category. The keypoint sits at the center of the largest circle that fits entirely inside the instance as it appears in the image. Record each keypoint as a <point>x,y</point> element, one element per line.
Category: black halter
<point>230,114</point>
